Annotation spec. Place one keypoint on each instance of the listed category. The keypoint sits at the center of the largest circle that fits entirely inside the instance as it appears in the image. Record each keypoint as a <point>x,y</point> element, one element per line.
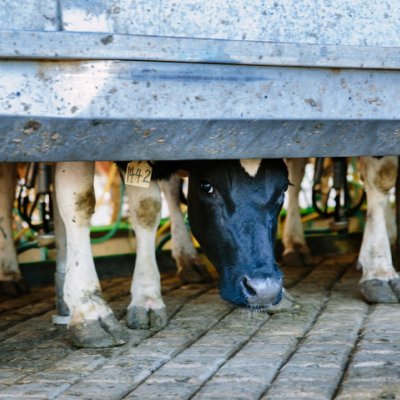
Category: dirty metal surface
<point>110,110</point>
<point>74,139</point>
<point>340,22</point>
<point>333,345</point>
<point>289,21</point>
<point>262,32</point>
<point>33,15</point>
<point>180,91</point>
<point>103,46</point>
<point>167,75</point>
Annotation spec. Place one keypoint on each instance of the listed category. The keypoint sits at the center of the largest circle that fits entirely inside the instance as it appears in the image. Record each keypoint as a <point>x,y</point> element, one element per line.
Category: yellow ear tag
<point>138,173</point>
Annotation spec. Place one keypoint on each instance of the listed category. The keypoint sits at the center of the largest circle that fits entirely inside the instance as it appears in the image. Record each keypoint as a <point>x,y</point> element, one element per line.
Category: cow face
<point>233,210</point>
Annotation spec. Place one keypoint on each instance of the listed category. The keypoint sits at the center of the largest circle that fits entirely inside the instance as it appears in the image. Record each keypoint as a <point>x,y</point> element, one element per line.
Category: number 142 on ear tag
<point>138,173</point>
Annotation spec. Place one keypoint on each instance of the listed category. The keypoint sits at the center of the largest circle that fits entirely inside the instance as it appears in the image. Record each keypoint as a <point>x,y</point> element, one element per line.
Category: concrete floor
<point>332,345</point>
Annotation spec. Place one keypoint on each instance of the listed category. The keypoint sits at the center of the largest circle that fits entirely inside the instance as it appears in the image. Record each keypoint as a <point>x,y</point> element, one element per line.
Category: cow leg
<point>390,218</point>
<point>146,309</point>
<point>62,316</point>
<point>380,282</point>
<point>92,322</point>
<point>11,282</point>
<point>190,268</point>
<point>391,227</point>
<point>296,252</point>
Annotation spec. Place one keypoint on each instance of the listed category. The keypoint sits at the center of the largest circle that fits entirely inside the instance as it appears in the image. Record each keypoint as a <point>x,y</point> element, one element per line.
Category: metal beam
<point>59,139</point>
<point>123,110</point>
<point>149,90</point>
<point>110,46</point>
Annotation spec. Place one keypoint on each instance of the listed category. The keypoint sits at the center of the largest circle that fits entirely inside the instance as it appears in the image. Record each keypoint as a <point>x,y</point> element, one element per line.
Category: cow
<point>233,208</point>
<point>189,266</point>
<point>11,281</point>
<point>146,216</point>
<point>380,282</point>
<point>233,211</point>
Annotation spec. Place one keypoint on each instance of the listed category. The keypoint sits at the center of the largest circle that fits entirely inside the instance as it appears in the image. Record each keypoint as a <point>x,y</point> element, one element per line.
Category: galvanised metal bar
<point>76,110</point>
<point>58,139</point>
<point>103,46</point>
<point>181,91</point>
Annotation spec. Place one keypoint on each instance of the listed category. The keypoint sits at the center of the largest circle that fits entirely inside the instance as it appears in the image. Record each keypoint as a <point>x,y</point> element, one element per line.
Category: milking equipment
<point>345,204</point>
<point>35,205</point>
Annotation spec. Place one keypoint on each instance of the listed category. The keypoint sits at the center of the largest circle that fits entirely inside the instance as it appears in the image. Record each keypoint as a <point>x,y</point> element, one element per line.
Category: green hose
<point>163,241</point>
<point>27,246</point>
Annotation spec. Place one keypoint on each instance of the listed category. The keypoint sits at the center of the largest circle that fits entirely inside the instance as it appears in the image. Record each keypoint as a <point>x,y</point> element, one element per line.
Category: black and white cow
<point>146,217</point>
<point>380,282</point>
<point>233,210</point>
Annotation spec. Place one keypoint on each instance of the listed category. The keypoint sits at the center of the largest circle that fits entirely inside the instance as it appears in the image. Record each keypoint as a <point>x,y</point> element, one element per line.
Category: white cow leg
<point>380,282</point>
<point>92,322</point>
<point>296,252</point>
<point>146,309</point>
<point>62,317</point>
<point>190,268</point>
<point>390,218</point>
<point>11,282</point>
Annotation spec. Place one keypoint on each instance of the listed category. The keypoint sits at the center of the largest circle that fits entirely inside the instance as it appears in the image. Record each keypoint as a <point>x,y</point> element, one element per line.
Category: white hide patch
<point>251,165</point>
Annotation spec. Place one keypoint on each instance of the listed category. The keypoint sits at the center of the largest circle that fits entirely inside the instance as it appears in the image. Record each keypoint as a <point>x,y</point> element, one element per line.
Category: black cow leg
<point>192,271</point>
<point>13,288</point>
<point>298,257</point>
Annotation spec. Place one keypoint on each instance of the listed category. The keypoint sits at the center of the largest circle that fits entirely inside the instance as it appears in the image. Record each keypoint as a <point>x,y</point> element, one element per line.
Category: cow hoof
<point>194,273</point>
<point>395,285</point>
<point>13,288</point>
<point>103,332</point>
<point>142,318</point>
<point>378,291</point>
<point>297,259</point>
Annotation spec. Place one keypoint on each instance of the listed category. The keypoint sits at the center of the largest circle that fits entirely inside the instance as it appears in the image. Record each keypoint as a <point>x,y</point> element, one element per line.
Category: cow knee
<point>75,193</point>
<point>386,174</point>
<point>147,212</point>
<point>145,206</point>
<point>379,173</point>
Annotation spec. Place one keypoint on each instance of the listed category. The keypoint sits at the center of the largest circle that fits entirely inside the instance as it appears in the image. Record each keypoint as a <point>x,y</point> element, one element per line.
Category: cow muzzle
<point>260,293</point>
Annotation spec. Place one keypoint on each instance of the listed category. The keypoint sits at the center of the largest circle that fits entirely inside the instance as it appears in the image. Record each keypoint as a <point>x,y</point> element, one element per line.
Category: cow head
<point>233,209</point>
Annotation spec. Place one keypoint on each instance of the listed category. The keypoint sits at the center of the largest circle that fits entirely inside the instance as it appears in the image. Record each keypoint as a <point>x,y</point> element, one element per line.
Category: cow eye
<point>206,187</point>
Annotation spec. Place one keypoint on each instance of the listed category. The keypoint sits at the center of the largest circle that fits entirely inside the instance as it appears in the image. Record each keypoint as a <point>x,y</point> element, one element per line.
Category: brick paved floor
<point>332,345</point>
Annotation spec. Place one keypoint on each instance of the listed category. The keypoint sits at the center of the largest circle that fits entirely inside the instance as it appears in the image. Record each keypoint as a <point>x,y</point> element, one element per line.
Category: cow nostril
<point>250,290</point>
<point>261,291</point>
